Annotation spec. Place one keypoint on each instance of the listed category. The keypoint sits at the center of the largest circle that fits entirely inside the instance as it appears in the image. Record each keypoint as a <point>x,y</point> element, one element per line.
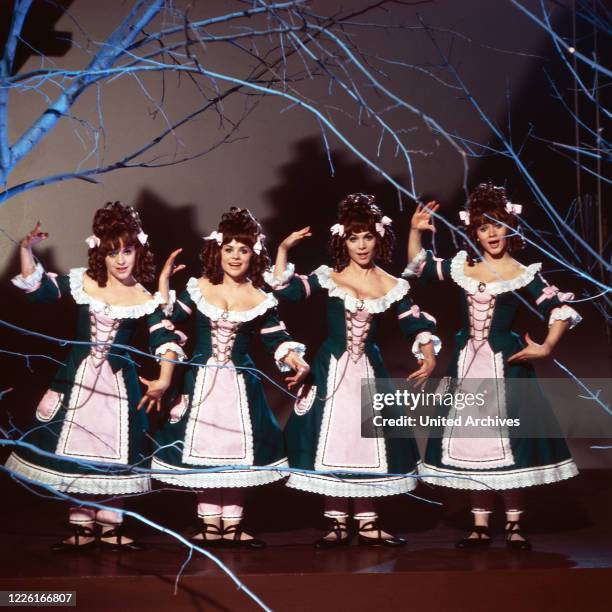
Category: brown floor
<point>570,567</point>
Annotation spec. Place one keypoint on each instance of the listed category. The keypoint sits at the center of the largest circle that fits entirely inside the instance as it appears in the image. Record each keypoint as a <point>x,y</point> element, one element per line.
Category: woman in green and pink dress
<point>324,434</point>
<point>493,287</point>
<point>88,423</point>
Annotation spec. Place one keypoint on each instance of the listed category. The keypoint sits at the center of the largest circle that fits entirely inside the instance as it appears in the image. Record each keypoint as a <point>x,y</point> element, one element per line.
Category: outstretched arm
<point>26,257</point>
<point>533,350</point>
<point>280,265</point>
<point>550,302</point>
<point>421,221</point>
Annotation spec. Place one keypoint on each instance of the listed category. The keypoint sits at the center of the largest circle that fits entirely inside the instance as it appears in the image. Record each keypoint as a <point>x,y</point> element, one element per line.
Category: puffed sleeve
<point>426,267</point>
<point>43,287</point>
<point>292,287</point>
<point>163,335</point>
<point>550,302</point>
<point>417,326</point>
<point>277,340</point>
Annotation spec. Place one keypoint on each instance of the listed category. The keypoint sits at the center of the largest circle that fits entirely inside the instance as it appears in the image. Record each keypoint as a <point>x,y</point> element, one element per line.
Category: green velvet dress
<point>324,434</point>
<point>87,424</point>
<point>483,345</point>
<point>222,432</point>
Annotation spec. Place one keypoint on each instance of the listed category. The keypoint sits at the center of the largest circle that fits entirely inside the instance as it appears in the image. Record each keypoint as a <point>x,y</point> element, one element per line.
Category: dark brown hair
<point>238,224</point>
<point>358,213</point>
<point>116,226</point>
<point>486,204</point>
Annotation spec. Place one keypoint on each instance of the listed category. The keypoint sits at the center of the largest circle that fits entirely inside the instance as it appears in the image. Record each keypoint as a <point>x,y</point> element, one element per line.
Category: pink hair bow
<point>514,209</point>
<point>380,227</point>
<point>258,246</point>
<point>216,236</point>
<point>464,215</point>
<point>337,229</point>
<point>92,241</point>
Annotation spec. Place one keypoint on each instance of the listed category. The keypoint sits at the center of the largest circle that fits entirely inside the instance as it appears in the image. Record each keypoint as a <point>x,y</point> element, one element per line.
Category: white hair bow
<point>217,236</point>
<point>380,227</point>
<point>515,209</point>
<point>259,244</point>
<point>142,237</point>
<point>464,215</point>
<point>92,241</point>
<point>337,229</point>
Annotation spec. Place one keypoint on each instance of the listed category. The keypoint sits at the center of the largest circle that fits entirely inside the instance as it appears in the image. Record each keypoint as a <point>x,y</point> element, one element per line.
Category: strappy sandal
<point>237,541</point>
<point>78,532</point>
<point>369,527</point>
<point>207,528</point>
<point>484,538</point>
<point>513,528</point>
<point>337,529</point>
<point>119,545</point>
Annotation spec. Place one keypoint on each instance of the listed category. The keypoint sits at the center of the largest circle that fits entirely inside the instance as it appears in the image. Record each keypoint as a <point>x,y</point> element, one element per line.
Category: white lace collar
<point>494,288</point>
<point>235,316</point>
<point>352,303</point>
<point>75,277</point>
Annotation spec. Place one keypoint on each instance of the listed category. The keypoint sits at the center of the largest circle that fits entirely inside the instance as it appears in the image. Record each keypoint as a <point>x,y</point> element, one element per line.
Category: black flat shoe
<point>337,529</point>
<point>483,540</point>
<point>392,542</point>
<point>78,532</point>
<point>237,541</point>
<point>207,528</point>
<point>513,528</point>
<point>118,545</point>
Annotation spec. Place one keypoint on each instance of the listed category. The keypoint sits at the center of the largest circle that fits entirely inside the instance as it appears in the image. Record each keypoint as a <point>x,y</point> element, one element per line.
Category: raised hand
<point>533,350</point>
<point>153,395</point>
<point>292,239</point>
<point>169,270</point>
<point>34,237</point>
<point>422,217</point>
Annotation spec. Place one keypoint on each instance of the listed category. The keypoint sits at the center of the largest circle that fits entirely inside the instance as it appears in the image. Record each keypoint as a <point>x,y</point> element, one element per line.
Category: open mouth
<point>122,270</point>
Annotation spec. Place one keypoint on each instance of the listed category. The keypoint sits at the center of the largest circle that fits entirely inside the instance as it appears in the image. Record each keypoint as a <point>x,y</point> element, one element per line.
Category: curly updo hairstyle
<point>358,213</point>
<point>118,226</point>
<point>486,204</point>
<point>238,224</point>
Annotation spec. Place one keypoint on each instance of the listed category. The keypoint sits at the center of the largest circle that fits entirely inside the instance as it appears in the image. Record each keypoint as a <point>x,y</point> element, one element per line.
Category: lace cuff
<point>29,283</point>
<point>276,282</point>
<point>564,313</point>
<point>167,308</point>
<point>171,346</point>
<point>423,338</point>
<point>283,349</point>
<point>413,267</point>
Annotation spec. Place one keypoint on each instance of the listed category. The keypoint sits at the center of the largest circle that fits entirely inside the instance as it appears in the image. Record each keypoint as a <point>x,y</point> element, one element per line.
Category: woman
<point>222,419</point>
<point>324,431</point>
<point>89,420</point>
<point>493,285</point>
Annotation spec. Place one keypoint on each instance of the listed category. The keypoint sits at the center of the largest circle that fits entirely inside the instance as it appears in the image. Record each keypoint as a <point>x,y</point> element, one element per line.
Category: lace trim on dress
<point>75,277</point>
<point>235,316</point>
<point>495,287</point>
<point>352,303</point>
